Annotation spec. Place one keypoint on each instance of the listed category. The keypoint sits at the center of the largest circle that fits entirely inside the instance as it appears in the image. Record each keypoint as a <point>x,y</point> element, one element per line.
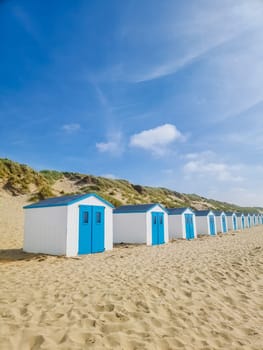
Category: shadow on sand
<point>11,255</point>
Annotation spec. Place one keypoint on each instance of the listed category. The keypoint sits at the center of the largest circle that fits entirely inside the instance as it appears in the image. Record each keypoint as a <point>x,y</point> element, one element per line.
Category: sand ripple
<point>204,294</point>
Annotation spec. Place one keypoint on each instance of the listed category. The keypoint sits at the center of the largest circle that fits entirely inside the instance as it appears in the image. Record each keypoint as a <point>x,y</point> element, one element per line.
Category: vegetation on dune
<point>51,175</point>
<point>43,193</point>
<point>20,179</point>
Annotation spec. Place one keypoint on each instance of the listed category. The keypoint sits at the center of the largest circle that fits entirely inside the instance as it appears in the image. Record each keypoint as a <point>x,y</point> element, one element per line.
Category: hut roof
<point>178,211</point>
<point>65,200</point>
<point>136,208</point>
<point>203,212</point>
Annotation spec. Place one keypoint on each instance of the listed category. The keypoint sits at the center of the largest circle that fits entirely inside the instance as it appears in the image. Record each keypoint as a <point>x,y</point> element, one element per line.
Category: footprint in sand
<point>103,308</point>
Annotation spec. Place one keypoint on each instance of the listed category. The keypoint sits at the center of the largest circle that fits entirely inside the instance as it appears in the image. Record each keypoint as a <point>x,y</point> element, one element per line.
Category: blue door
<point>154,228</point>
<point>248,219</point>
<point>224,223</point>
<point>189,226</point>
<point>85,229</point>
<point>91,229</point>
<point>212,225</point>
<point>161,229</point>
<point>234,222</point>
<point>97,238</point>
<point>157,228</point>
<point>243,222</point>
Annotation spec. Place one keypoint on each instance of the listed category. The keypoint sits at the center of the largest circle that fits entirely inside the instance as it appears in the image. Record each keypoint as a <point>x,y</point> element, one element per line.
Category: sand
<point>202,294</point>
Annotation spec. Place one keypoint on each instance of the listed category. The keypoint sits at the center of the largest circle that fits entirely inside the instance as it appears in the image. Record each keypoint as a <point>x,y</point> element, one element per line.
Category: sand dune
<point>203,294</point>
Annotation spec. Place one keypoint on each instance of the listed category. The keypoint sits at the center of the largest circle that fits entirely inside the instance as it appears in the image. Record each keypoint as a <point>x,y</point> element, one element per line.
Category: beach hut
<point>69,225</point>
<point>181,223</point>
<point>232,221</point>
<point>221,221</point>
<point>248,220</point>
<point>253,219</point>
<point>140,223</point>
<point>241,220</point>
<point>205,222</point>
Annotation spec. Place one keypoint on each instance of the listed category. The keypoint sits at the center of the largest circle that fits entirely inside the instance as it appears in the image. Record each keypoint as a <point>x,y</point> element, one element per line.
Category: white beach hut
<point>205,222</point>
<point>69,225</point>
<point>221,221</point>
<point>253,219</point>
<point>232,221</point>
<point>181,223</point>
<point>241,221</point>
<point>248,220</point>
<point>140,223</point>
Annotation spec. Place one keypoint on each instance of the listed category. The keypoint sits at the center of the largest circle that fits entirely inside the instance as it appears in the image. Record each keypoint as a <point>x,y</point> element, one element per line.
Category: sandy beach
<point>202,294</point>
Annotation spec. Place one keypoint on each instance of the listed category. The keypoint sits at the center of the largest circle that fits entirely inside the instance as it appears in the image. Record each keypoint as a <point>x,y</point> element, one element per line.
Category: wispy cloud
<point>71,128</point>
<point>172,67</point>
<point>25,21</point>
<point>229,54</point>
<point>249,138</point>
<point>157,139</point>
<point>183,37</point>
<point>245,109</point>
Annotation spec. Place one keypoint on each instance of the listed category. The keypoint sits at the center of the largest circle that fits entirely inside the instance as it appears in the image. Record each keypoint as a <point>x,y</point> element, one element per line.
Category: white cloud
<point>110,146</point>
<point>203,165</point>
<point>157,139</point>
<point>114,145</point>
<point>70,128</point>
<point>220,171</point>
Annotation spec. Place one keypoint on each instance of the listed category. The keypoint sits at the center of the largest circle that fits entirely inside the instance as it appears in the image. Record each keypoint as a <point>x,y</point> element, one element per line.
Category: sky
<point>161,93</point>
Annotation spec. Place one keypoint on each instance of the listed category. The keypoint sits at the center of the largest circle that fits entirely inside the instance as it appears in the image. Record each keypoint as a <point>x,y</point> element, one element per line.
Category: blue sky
<point>162,93</point>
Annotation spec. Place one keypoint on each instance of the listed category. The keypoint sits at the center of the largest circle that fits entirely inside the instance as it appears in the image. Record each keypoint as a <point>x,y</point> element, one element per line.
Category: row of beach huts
<point>86,223</point>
